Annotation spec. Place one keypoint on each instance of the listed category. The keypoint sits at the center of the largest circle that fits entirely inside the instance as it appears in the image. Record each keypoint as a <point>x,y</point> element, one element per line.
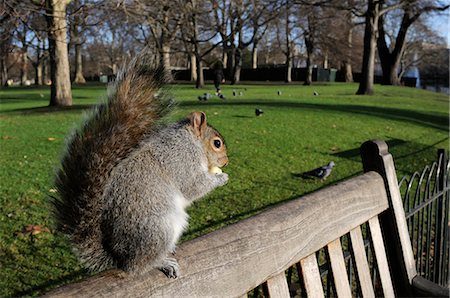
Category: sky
<point>441,24</point>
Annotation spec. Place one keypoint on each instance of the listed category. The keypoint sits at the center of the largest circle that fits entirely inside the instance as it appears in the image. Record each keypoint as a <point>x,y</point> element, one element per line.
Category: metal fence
<point>426,203</point>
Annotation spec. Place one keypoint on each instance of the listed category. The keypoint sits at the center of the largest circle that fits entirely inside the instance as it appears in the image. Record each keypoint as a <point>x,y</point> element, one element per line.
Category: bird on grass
<point>259,112</point>
<point>204,97</point>
<point>321,172</point>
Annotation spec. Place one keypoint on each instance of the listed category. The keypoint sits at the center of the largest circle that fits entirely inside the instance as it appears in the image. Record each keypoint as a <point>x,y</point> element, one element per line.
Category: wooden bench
<point>232,261</point>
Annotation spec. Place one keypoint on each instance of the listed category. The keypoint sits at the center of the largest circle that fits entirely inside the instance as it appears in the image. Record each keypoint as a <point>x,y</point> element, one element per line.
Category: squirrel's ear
<point>198,122</point>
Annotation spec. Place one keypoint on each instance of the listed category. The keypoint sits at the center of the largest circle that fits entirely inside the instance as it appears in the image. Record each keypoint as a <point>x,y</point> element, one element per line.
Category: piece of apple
<point>215,170</point>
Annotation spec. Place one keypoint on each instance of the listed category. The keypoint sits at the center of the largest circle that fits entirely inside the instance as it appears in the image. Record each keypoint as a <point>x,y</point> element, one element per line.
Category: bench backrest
<point>236,259</point>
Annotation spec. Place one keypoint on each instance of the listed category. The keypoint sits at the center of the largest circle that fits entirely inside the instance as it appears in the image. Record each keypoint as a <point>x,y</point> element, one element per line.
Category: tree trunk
<point>3,72</point>
<point>309,66</point>
<point>38,73</point>
<point>114,68</point>
<point>165,56</point>
<point>390,60</point>
<point>325,60</point>
<point>79,78</point>
<point>200,83</point>
<point>255,56</point>
<point>193,66</point>
<point>347,64</point>
<point>348,72</point>
<point>225,59</point>
<point>370,35</point>
<point>61,93</point>
<point>237,67</point>
<point>230,61</point>
<point>309,71</point>
<point>23,66</point>
<point>288,69</point>
<point>390,71</point>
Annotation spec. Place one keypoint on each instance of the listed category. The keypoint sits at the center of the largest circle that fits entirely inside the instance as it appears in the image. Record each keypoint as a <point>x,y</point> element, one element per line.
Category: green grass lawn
<point>297,132</point>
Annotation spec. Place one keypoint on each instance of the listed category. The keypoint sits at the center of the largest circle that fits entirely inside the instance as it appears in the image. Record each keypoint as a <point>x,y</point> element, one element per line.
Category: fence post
<point>375,157</point>
<point>439,267</point>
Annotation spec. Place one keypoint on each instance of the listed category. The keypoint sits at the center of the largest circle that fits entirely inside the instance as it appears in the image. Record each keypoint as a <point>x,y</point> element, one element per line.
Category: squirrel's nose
<point>223,161</point>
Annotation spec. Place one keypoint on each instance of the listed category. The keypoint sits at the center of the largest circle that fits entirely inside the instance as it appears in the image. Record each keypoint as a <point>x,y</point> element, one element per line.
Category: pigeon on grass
<point>321,172</point>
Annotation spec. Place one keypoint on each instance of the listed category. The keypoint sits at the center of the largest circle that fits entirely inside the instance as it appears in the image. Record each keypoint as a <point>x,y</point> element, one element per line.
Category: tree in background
<point>287,36</point>
<point>392,53</point>
<point>78,14</point>
<point>61,93</point>
<point>7,26</point>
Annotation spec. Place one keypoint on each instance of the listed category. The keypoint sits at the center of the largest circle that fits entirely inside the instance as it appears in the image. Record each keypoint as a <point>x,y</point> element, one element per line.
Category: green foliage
<point>297,132</point>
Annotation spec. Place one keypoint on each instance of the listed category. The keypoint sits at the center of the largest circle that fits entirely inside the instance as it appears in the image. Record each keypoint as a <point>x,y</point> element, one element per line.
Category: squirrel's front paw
<point>222,179</point>
<point>170,268</point>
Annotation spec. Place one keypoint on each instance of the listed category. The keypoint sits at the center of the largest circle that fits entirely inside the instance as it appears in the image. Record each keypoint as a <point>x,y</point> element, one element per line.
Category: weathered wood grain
<point>311,276</point>
<point>277,286</point>
<point>231,261</point>
<point>380,255</point>
<point>375,157</point>
<point>338,268</point>
<point>362,266</point>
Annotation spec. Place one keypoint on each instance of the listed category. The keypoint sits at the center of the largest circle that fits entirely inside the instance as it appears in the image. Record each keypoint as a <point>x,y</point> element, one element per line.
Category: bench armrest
<point>425,288</point>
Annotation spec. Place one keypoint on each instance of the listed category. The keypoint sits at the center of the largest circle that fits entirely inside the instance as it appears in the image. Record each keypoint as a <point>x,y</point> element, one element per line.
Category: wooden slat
<point>311,276</point>
<point>239,257</point>
<point>362,266</point>
<point>380,254</point>
<point>375,157</point>
<point>338,268</point>
<point>277,286</point>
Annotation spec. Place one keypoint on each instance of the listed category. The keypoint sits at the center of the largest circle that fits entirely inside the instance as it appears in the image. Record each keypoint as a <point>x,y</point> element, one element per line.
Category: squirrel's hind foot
<point>170,268</point>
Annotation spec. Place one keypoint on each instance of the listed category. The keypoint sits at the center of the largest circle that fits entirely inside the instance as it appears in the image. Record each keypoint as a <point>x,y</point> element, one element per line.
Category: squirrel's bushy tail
<point>111,131</point>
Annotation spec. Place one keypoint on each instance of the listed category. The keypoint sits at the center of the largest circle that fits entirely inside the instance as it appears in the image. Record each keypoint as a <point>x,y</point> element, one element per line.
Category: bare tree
<point>61,93</point>
<point>310,36</point>
<point>390,55</point>
<point>78,14</point>
<point>7,26</point>
<point>286,36</point>
<point>375,9</point>
<point>197,33</point>
<point>38,44</point>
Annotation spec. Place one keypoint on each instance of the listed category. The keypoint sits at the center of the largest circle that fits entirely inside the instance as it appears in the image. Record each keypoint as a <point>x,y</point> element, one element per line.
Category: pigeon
<point>322,172</point>
<point>234,93</point>
<point>204,97</point>
<point>259,112</point>
<point>221,96</point>
<point>279,92</point>
<point>241,93</point>
<point>316,93</point>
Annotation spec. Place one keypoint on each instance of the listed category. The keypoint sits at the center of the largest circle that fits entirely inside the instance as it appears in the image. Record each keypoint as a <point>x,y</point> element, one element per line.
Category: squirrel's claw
<point>170,268</point>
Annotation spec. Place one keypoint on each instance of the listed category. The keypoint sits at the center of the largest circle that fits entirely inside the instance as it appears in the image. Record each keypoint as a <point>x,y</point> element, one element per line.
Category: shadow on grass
<point>411,116</point>
<point>47,286</point>
<point>49,109</point>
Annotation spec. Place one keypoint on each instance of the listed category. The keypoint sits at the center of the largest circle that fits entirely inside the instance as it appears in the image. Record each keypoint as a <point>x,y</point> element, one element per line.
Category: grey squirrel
<point>126,176</point>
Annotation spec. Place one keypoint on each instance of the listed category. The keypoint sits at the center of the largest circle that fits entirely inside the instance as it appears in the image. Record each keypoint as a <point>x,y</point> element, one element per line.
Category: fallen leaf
<point>334,148</point>
<point>32,230</point>
<point>51,139</point>
<point>7,137</point>
<point>52,190</point>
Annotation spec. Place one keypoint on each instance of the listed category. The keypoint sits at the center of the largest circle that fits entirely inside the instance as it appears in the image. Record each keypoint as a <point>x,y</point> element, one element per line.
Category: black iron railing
<point>426,203</point>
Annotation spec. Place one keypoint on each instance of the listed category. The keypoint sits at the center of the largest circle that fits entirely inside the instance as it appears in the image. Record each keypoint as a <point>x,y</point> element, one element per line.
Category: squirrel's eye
<point>217,143</point>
